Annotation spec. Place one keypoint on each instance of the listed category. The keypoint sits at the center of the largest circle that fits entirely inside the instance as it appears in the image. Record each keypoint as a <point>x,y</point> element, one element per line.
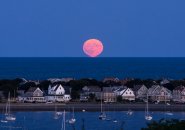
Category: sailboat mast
<point>101,103</point>
<point>147,105</point>
<point>64,120</point>
<point>9,103</point>
<point>73,113</point>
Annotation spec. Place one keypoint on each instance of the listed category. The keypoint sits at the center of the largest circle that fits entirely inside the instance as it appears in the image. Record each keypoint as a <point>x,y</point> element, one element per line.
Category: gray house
<point>33,94</point>
<point>179,94</point>
<point>159,93</point>
<point>140,91</point>
<point>87,90</point>
<point>109,95</point>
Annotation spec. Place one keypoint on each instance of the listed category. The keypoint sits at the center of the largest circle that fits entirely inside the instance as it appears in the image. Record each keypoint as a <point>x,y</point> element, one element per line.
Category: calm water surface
<point>45,121</point>
<point>98,68</point>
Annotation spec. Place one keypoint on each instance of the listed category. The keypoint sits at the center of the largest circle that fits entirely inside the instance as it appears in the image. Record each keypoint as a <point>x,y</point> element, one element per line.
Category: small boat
<point>129,112</point>
<point>9,116</point>
<point>72,120</point>
<point>102,116</point>
<point>168,104</point>
<point>169,113</point>
<point>108,118</point>
<point>115,121</point>
<point>148,117</point>
<point>4,121</point>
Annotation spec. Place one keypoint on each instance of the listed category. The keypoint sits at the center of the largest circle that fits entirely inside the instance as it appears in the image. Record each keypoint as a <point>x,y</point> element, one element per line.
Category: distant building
<point>109,95</point>
<point>33,94</point>
<point>111,79</point>
<point>55,80</point>
<point>87,90</point>
<point>159,93</point>
<point>56,90</point>
<point>127,94</point>
<point>179,94</point>
<point>57,93</point>
<point>164,81</point>
<point>140,91</point>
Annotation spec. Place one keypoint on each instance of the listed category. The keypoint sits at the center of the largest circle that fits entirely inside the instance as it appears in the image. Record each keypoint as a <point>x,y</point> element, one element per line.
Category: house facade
<point>179,94</point>
<point>159,93</point>
<point>127,94</point>
<point>140,91</point>
<point>109,95</point>
<point>33,94</point>
<point>57,93</point>
<point>87,90</point>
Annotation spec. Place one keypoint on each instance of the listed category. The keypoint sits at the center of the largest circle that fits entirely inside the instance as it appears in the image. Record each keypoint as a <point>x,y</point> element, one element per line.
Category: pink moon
<point>93,47</point>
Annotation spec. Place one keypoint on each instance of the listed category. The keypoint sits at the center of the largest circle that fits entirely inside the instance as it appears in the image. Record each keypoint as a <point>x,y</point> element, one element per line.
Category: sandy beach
<point>91,107</point>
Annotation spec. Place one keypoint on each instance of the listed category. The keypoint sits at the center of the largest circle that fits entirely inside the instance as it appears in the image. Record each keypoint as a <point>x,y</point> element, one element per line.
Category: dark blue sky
<point>58,28</point>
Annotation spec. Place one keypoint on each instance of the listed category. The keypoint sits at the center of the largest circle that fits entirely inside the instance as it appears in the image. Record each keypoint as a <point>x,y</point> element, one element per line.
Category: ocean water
<point>98,68</point>
<point>45,121</point>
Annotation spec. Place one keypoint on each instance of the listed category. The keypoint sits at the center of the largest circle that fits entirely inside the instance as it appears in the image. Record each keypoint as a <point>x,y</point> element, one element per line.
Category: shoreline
<point>91,107</point>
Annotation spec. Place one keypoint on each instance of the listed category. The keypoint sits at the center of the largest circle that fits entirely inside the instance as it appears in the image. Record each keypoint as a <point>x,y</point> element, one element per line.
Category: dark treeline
<point>166,125</point>
<point>7,85</point>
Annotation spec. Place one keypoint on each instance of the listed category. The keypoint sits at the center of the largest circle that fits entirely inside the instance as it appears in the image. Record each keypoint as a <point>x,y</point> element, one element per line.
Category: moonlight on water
<point>93,47</point>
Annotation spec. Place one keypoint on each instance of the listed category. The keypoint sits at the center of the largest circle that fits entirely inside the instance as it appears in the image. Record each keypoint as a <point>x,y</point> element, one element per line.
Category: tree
<point>119,98</point>
<point>166,125</point>
<point>92,97</point>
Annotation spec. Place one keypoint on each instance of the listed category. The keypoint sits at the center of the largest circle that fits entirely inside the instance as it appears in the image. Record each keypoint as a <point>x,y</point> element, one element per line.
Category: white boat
<point>102,115</point>
<point>129,112</point>
<point>72,120</point>
<point>148,117</point>
<point>115,121</point>
<point>4,121</point>
<point>169,113</point>
<point>9,116</point>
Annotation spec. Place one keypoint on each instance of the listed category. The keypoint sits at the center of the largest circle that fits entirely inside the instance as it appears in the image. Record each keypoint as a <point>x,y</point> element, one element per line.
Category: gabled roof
<point>115,79</point>
<point>156,89</point>
<point>179,88</point>
<point>124,90</point>
<point>31,89</point>
<point>153,89</point>
<point>137,87</point>
<point>54,87</point>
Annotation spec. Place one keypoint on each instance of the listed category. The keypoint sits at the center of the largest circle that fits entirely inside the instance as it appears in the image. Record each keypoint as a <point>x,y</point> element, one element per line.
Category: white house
<point>179,94</point>
<point>56,90</point>
<point>57,93</point>
<point>126,93</point>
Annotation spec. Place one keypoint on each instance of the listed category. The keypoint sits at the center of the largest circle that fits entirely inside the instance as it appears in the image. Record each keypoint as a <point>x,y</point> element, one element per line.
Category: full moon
<point>93,47</point>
